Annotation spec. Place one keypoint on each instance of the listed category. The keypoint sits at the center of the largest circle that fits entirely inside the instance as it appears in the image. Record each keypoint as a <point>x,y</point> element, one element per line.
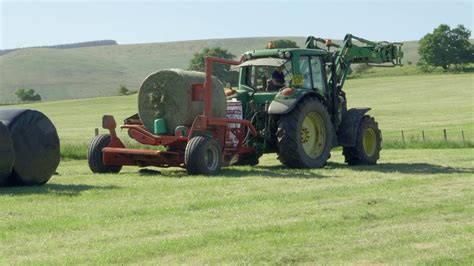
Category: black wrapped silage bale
<point>7,155</point>
<point>35,143</point>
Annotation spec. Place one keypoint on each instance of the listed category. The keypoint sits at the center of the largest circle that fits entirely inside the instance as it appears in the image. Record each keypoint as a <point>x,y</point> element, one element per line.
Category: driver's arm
<point>275,82</point>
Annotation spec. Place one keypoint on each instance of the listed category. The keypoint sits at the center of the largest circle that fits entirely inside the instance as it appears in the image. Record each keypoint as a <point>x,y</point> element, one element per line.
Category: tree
<point>122,90</point>
<point>284,43</point>
<point>27,95</point>
<point>219,70</point>
<point>446,46</point>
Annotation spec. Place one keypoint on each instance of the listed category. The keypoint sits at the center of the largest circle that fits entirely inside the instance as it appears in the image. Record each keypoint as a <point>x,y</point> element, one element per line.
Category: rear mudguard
<point>281,106</point>
<point>347,132</point>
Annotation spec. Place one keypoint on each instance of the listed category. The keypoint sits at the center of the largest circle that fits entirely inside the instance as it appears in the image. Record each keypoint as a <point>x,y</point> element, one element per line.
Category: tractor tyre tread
<point>290,150</point>
<point>355,155</point>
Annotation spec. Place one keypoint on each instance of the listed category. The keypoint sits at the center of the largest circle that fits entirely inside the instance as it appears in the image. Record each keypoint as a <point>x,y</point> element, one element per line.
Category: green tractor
<point>306,116</point>
<point>299,112</point>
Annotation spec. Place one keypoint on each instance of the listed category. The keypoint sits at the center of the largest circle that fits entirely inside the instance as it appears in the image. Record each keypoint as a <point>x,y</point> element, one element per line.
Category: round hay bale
<point>166,94</point>
<point>7,155</point>
<point>35,143</point>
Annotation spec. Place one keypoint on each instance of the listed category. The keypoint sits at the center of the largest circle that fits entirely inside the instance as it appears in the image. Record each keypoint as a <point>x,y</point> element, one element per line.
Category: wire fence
<point>432,136</point>
<point>443,138</point>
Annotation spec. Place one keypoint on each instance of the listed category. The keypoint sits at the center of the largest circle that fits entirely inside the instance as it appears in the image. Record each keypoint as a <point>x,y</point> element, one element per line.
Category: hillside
<point>98,71</point>
<point>65,46</point>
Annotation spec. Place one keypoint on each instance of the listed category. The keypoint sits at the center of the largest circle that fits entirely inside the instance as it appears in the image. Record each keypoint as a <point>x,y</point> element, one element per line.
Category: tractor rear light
<point>229,92</point>
<point>287,91</point>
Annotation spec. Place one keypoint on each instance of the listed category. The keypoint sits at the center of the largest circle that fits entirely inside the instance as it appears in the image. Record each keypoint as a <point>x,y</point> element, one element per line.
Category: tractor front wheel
<point>368,144</point>
<point>203,156</point>
<point>95,156</point>
<point>305,135</point>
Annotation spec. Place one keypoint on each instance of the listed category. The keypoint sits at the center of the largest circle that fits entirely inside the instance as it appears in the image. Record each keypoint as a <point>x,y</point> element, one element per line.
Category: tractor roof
<point>279,51</point>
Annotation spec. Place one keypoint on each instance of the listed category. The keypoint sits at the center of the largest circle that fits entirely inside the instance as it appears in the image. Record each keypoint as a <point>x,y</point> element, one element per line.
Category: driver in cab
<point>278,79</point>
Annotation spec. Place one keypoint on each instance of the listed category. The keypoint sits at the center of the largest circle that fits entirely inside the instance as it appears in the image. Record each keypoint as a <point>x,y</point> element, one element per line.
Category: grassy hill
<point>98,71</point>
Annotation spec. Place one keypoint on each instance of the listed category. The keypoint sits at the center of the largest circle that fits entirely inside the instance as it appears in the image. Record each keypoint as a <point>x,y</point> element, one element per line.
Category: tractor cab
<point>304,74</point>
<point>304,71</point>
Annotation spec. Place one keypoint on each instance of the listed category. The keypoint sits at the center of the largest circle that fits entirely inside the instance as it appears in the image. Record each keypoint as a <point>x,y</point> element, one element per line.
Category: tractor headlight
<point>248,56</point>
<point>281,54</point>
<point>287,54</point>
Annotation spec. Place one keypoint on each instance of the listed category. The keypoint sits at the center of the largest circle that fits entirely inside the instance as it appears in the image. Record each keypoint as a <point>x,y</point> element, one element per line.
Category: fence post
<point>423,134</point>
<point>403,137</point>
<point>96,131</point>
<point>462,133</point>
<point>445,135</point>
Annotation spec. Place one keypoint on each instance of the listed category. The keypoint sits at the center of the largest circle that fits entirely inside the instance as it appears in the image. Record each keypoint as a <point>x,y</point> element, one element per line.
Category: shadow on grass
<point>278,171</point>
<point>58,189</point>
<point>243,171</point>
<point>281,171</point>
<point>404,168</point>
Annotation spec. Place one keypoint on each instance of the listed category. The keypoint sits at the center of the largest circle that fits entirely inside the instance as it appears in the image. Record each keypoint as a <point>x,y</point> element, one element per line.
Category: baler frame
<point>116,154</point>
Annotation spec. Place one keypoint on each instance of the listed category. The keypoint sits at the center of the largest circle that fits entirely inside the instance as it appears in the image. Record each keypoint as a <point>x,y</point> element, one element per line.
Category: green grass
<point>415,103</point>
<point>416,206</point>
<point>99,71</point>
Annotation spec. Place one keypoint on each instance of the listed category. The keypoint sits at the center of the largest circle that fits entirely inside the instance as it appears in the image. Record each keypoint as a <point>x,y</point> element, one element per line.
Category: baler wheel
<point>203,156</point>
<point>95,158</point>
<point>305,135</point>
<point>368,144</point>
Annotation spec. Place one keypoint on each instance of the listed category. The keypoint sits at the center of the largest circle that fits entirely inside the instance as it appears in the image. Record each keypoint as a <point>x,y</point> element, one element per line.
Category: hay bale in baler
<point>35,143</point>
<point>7,155</point>
<point>166,94</point>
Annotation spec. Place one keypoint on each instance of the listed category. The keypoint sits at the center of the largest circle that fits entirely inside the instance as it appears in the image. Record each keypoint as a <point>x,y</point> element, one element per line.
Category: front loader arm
<point>375,54</point>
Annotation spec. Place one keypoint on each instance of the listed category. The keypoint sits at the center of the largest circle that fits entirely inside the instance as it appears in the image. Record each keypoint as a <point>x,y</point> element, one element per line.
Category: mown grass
<point>408,211</point>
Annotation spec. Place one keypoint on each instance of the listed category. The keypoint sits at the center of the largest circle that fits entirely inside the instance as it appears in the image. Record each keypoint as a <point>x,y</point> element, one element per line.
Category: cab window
<point>311,70</point>
<point>317,74</point>
<point>256,77</point>
<point>305,71</point>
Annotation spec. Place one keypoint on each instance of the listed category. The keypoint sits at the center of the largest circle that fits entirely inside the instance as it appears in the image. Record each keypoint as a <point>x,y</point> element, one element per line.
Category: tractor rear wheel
<point>95,156</point>
<point>305,135</point>
<point>203,156</point>
<point>368,144</point>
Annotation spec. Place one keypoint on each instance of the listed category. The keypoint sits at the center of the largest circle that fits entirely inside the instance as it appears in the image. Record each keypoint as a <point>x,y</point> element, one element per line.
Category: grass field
<point>416,210</point>
<point>99,71</point>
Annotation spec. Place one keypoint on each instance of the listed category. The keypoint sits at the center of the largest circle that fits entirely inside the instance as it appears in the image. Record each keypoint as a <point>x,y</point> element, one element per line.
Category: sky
<point>37,23</point>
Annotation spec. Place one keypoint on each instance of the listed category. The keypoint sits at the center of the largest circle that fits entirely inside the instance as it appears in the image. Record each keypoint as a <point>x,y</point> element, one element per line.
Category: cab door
<point>312,70</point>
